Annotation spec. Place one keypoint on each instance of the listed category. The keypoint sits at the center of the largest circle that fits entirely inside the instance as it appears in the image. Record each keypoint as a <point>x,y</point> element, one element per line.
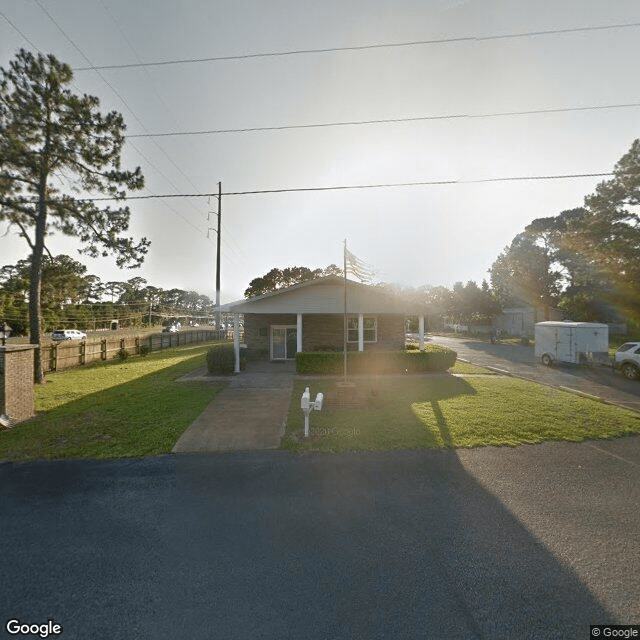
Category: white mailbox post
<point>307,406</point>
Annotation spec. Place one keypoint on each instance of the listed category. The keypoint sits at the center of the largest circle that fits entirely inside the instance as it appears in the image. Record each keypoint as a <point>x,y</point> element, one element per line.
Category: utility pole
<point>218,310</point>
<point>218,313</point>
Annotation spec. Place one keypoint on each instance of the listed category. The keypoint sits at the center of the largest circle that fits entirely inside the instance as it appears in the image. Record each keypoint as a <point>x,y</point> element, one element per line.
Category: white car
<point>68,334</point>
<point>172,328</point>
<point>627,359</point>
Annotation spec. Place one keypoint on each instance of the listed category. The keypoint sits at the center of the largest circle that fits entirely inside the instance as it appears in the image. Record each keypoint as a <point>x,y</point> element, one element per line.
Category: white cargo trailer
<point>574,342</point>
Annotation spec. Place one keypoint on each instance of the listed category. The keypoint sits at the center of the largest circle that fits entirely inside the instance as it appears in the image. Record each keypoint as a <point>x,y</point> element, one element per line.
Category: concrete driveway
<point>531,542</point>
<point>250,413</point>
<point>598,381</point>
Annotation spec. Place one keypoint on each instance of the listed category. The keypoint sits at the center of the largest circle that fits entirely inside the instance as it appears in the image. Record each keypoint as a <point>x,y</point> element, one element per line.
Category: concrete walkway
<point>249,414</point>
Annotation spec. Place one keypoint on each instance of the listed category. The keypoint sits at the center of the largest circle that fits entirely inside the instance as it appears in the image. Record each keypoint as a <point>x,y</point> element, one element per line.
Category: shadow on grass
<point>404,544</point>
<point>386,416</point>
<point>142,416</point>
<point>160,354</point>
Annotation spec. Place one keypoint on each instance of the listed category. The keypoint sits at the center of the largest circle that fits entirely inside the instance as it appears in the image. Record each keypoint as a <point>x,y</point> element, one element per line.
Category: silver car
<point>627,359</point>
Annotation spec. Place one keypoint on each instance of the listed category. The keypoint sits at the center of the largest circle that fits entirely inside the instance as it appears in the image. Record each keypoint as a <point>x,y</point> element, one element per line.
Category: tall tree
<point>63,283</point>
<point>523,274</point>
<point>586,289</point>
<point>611,232</point>
<point>599,245</point>
<point>472,305</point>
<point>55,145</point>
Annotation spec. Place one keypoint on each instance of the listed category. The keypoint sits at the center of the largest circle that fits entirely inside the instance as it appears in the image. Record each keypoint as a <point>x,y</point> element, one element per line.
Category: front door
<point>284,342</point>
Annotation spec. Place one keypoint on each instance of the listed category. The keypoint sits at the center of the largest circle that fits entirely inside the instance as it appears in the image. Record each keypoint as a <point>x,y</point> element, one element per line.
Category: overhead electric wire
<point>345,123</point>
<point>33,46</point>
<point>345,187</point>
<point>77,48</point>
<point>364,47</point>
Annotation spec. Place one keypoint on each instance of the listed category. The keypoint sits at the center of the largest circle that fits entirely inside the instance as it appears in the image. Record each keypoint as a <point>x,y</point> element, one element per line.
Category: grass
<point>463,368</point>
<point>447,412</point>
<point>115,409</point>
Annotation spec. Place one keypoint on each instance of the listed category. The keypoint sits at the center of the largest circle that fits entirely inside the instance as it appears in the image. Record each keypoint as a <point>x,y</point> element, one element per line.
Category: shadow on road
<point>387,545</point>
<point>383,545</point>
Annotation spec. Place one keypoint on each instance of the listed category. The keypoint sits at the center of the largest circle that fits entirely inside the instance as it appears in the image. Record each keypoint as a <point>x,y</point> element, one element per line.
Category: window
<point>370,329</point>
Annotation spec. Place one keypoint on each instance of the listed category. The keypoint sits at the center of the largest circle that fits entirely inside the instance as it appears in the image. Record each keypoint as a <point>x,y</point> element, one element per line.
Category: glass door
<point>284,342</point>
<point>278,343</point>
<point>291,342</point>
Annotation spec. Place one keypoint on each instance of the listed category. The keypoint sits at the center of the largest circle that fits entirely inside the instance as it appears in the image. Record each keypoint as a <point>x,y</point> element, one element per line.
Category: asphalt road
<point>599,381</point>
<point>528,542</point>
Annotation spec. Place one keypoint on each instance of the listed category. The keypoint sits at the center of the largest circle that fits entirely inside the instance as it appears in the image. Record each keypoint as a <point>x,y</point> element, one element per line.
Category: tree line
<point>583,261</point>
<point>58,151</point>
<point>73,298</point>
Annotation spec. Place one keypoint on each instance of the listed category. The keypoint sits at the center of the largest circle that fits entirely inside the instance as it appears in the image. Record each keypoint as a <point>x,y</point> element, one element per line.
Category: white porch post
<point>299,333</point>
<point>236,341</point>
<point>360,332</point>
<point>421,332</point>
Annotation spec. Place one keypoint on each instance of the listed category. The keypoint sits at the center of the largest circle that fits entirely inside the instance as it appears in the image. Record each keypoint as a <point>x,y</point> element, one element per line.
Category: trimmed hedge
<point>434,358</point>
<point>221,360</point>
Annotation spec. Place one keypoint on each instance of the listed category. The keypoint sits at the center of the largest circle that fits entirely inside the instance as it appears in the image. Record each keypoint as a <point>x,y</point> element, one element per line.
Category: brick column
<point>16,381</point>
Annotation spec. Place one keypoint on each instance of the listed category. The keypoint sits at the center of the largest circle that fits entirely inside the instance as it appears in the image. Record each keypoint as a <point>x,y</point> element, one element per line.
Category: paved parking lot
<point>598,381</point>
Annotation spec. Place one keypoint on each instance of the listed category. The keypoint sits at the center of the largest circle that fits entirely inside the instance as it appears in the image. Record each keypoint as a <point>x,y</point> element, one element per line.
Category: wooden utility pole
<point>218,312</point>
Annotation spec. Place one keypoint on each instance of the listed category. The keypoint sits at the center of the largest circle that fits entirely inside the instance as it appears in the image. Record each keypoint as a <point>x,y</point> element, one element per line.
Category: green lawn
<point>466,368</point>
<point>446,411</point>
<point>114,409</point>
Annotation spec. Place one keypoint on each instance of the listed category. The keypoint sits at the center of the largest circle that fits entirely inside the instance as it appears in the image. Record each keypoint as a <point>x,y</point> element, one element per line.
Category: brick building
<point>310,317</point>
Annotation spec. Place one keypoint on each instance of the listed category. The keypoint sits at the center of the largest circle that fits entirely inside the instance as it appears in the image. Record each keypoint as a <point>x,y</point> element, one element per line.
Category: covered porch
<point>318,315</point>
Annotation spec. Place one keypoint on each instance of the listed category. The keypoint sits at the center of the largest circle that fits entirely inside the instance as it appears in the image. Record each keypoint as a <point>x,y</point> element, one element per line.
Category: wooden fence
<point>71,353</point>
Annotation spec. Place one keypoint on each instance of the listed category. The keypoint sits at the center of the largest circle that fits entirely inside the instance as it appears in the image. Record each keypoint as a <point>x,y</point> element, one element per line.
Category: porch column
<point>299,333</point>
<point>421,332</point>
<point>236,342</point>
<point>360,332</point>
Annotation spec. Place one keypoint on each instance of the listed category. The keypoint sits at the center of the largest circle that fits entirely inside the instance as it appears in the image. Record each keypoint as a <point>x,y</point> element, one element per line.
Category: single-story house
<point>310,317</point>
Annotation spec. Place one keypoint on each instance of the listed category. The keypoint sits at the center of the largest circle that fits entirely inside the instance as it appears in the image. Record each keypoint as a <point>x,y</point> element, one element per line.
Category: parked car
<point>627,359</point>
<point>68,334</point>
<point>170,329</point>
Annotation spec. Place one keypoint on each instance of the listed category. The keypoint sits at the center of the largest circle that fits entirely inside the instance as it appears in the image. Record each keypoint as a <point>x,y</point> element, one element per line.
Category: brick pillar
<point>16,381</point>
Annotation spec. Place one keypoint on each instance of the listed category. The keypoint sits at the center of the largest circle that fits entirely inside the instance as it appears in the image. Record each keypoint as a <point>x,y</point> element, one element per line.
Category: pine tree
<point>56,146</point>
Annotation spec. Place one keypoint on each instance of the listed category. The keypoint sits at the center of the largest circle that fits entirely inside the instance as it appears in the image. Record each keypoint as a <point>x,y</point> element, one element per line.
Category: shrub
<point>434,358</point>
<point>221,359</point>
<point>123,354</point>
<point>144,350</point>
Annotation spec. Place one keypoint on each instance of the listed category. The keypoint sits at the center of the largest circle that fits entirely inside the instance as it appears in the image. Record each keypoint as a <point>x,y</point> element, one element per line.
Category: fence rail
<point>64,355</point>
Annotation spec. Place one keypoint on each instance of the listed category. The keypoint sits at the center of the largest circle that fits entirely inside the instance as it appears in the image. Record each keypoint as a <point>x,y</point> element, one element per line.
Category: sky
<point>462,66</point>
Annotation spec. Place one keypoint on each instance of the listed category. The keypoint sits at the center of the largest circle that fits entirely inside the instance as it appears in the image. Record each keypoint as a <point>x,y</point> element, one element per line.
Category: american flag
<point>361,270</point>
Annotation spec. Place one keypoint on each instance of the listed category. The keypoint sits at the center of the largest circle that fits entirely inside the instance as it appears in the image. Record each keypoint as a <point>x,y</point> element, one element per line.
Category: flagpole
<point>345,328</point>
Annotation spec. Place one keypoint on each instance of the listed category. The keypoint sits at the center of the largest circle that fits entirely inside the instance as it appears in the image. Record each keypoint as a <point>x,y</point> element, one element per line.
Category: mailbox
<point>308,406</point>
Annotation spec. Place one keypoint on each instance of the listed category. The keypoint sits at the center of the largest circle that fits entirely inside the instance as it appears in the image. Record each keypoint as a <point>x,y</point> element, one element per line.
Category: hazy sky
<point>414,235</point>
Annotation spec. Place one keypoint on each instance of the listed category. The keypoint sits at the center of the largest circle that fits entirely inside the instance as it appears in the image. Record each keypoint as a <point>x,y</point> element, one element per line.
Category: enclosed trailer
<point>574,342</point>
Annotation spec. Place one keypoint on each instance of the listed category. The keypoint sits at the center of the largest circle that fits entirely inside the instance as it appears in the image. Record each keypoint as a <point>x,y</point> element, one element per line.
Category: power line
<point>425,183</point>
<point>345,123</point>
<point>77,48</point>
<point>346,187</point>
<point>365,47</point>
<point>33,46</point>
